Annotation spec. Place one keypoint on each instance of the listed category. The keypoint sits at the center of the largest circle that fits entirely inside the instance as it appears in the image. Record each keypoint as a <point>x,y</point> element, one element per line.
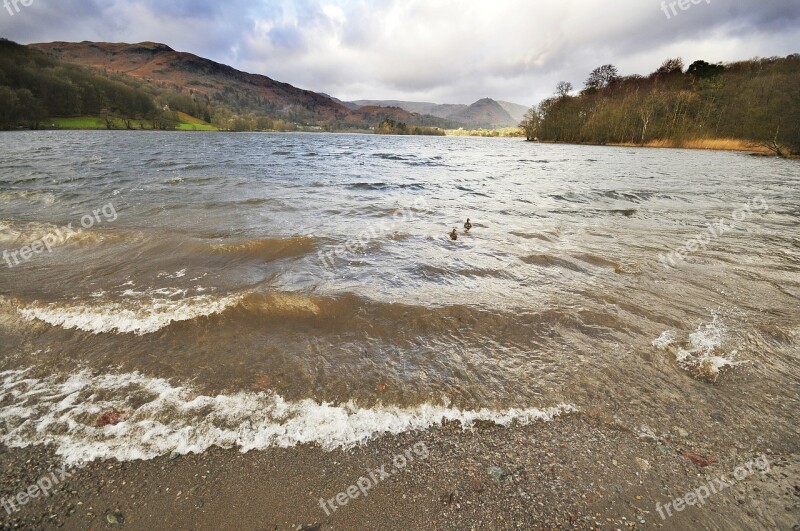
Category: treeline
<point>391,127</point>
<point>755,101</point>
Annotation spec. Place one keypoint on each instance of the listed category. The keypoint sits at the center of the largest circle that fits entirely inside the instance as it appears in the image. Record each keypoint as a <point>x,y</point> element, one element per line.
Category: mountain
<point>236,99</point>
<point>485,113</point>
<point>200,79</point>
<point>169,81</point>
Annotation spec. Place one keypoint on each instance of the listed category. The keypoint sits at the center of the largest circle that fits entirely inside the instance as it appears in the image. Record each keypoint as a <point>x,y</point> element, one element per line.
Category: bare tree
<point>563,88</point>
<point>647,111</point>
<point>530,124</point>
<point>670,66</point>
<point>773,144</point>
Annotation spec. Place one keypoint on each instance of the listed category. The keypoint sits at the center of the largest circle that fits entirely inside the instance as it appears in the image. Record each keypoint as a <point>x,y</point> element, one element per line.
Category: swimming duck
<point>454,235</point>
<point>467,225</point>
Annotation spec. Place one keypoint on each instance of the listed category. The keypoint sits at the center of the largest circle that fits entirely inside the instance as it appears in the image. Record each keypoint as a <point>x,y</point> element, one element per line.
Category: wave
<point>131,316</point>
<point>546,260</point>
<point>158,418</point>
<point>46,198</point>
<point>146,312</point>
<point>536,236</point>
<point>268,248</point>
<point>170,310</point>
<point>390,156</point>
<point>385,186</point>
<point>21,233</point>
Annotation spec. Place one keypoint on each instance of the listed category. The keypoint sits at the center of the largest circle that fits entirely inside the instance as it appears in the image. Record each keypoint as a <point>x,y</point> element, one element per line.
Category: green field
<point>187,123</point>
<point>190,123</point>
<point>77,122</point>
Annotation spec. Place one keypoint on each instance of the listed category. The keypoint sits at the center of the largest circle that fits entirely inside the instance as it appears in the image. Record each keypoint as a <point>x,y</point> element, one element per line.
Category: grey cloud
<point>447,51</point>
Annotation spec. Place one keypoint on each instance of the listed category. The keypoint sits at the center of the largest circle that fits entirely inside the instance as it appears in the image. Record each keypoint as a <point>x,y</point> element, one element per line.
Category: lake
<point>254,290</point>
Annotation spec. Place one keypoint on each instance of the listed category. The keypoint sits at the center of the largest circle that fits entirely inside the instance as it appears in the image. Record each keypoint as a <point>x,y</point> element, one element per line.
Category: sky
<point>443,51</point>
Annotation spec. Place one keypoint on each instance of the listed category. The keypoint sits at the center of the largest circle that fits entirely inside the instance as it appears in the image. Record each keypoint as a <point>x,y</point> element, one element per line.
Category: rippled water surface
<point>210,280</point>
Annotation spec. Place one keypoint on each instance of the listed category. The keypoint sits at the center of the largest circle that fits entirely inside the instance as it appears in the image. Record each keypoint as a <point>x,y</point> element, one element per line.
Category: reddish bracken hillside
<point>189,74</point>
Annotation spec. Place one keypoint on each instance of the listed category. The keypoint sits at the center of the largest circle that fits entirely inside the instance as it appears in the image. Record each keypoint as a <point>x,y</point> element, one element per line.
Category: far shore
<point>710,144</point>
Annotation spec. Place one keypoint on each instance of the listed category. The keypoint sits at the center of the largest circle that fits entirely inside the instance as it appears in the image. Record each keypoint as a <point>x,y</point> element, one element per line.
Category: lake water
<point>268,289</point>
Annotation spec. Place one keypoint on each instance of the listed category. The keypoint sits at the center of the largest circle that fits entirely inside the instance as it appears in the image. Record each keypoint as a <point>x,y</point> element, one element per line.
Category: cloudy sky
<point>445,51</point>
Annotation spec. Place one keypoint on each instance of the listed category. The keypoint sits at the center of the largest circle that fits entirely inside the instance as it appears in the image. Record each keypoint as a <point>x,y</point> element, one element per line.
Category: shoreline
<point>577,472</point>
<point>732,145</point>
<point>717,144</point>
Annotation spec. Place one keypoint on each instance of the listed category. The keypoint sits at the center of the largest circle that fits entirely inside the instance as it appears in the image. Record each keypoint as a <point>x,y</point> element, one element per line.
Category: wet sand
<point>582,471</point>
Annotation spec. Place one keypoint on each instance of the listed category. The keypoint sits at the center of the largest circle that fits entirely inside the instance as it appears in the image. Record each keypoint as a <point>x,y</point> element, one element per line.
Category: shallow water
<point>222,275</point>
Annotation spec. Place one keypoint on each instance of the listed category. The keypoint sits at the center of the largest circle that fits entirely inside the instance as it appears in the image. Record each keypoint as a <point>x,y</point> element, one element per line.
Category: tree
<point>670,66</point>
<point>701,69</point>
<point>563,88</point>
<point>31,109</point>
<point>601,77</point>
<point>647,110</point>
<point>530,124</point>
<point>9,108</point>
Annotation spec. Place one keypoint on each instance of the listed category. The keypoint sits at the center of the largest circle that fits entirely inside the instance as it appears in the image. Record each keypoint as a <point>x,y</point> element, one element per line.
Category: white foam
<point>46,198</point>
<point>130,316</point>
<point>177,274</point>
<point>666,338</point>
<point>704,355</point>
<point>169,418</point>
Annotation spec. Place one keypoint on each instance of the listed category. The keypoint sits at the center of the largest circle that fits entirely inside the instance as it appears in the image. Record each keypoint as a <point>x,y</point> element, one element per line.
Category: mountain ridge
<point>235,100</point>
<point>484,113</point>
<point>194,75</point>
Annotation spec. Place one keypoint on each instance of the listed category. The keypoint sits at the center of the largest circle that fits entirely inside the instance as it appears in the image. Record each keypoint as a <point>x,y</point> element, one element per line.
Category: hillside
<point>419,107</point>
<point>368,117</point>
<point>167,82</point>
<point>231,99</point>
<point>210,83</point>
<point>36,87</point>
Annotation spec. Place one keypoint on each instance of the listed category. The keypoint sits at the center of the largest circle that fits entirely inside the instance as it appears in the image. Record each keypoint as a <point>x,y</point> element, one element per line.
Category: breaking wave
<point>129,317</point>
<point>153,417</point>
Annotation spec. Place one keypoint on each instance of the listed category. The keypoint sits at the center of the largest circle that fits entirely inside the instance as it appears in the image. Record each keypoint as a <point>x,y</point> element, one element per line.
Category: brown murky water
<point>261,289</point>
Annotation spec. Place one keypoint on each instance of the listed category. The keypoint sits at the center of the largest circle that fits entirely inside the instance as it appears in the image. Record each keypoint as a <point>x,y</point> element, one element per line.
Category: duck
<point>467,225</point>
<point>454,235</point>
